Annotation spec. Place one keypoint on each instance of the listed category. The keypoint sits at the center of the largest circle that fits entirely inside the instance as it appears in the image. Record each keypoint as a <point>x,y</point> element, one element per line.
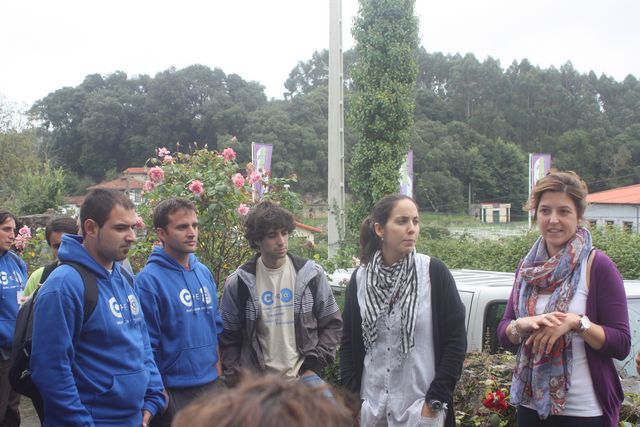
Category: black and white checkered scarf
<point>385,288</point>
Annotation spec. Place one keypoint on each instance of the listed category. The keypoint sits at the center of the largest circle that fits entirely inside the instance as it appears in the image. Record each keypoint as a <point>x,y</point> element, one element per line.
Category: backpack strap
<point>127,275</point>
<point>48,269</point>
<point>90,288</point>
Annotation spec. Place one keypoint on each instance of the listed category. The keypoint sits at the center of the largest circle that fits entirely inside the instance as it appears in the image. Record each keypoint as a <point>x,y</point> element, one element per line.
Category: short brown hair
<point>266,401</point>
<point>562,182</point>
<point>60,224</point>
<point>99,203</point>
<point>167,207</point>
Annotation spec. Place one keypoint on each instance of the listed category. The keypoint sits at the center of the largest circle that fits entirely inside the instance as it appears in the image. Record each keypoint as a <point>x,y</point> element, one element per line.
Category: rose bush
<point>222,195</point>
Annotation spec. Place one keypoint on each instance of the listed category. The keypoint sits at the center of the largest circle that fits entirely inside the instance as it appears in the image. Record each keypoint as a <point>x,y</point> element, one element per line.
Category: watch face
<point>584,323</point>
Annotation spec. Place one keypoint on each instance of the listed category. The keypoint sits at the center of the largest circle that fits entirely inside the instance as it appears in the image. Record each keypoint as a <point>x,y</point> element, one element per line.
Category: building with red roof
<point>616,207</point>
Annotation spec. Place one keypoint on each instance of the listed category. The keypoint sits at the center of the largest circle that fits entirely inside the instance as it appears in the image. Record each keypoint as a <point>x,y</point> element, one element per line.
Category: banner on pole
<point>539,165</point>
<point>406,175</point>
<point>261,160</point>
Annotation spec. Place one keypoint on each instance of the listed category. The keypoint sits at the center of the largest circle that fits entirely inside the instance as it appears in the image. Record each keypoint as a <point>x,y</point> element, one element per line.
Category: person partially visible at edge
<point>566,316</point>
<point>180,305</point>
<point>56,228</point>
<point>267,401</point>
<point>13,276</point>
<point>404,338</point>
<point>278,311</point>
<point>99,371</point>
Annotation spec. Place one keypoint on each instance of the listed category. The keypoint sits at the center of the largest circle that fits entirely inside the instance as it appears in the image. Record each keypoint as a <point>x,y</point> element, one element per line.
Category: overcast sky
<point>47,44</point>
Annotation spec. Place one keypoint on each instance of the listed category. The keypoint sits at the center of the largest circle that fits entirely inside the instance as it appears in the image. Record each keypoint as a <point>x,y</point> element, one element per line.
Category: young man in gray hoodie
<point>278,312</point>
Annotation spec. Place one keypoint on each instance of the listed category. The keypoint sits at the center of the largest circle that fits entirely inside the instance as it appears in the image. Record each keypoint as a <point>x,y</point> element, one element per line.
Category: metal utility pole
<point>336,226</point>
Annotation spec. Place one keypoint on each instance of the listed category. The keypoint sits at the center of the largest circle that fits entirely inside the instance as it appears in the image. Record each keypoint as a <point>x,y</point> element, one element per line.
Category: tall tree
<point>383,102</point>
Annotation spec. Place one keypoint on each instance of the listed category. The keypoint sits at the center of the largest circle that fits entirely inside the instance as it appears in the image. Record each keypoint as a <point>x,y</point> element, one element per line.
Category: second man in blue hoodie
<point>179,300</point>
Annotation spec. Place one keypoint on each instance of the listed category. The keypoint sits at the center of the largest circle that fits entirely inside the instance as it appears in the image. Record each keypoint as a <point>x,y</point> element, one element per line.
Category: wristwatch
<point>437,405</point>
<point>585,323</point>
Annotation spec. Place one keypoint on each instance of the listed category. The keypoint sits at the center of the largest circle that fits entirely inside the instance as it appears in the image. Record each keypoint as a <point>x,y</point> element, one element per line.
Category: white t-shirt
<point>275,325</point>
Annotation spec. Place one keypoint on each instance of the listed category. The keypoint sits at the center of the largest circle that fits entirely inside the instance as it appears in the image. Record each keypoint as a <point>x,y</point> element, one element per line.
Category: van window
<point>492,316</point>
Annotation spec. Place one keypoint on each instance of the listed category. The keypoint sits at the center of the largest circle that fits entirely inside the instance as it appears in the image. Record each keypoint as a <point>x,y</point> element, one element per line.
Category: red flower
<point>496,401</point>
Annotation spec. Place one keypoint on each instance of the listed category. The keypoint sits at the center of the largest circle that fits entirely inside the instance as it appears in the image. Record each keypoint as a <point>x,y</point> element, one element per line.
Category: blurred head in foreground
<point>266,401</point>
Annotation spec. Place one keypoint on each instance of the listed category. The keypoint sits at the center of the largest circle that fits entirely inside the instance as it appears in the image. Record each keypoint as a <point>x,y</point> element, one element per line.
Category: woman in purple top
<point>567,316</point>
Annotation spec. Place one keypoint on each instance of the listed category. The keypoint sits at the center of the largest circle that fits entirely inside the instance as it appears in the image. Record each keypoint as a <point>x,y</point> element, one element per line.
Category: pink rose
<point>148,186</point>
<point>254,177</point>
<point>139,223</point>
<point>162,152</point>
<point>243,209</point>
<point>23,237</point>
<point>25,231</point>
<point>156,174</point>
<point>228,154</point>
<point>196,187</point>
<point>238,180</point>
<point>167,159</point>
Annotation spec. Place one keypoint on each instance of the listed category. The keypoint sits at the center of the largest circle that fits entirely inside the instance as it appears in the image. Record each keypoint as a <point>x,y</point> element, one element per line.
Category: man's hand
<point>146,418</point>
<point>638,362</point>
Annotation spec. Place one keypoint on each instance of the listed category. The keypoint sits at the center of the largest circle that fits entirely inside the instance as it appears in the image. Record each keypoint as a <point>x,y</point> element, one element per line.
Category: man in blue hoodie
<point>180,305</point>
<point>13,273</point>
<point>97,371</point>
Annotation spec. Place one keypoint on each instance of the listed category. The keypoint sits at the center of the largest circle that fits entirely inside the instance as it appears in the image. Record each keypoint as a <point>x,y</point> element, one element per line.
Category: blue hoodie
<point>101,373</point>
<point>181,310</point>
<point>13,273</point>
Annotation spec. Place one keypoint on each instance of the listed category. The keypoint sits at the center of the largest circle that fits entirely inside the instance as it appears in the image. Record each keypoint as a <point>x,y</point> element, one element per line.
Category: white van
<point>485,295</point>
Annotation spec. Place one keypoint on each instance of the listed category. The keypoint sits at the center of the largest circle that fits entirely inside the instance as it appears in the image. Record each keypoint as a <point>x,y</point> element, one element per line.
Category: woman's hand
<point>427,412</point>
<point>527,325</point>
<point>559,324</point>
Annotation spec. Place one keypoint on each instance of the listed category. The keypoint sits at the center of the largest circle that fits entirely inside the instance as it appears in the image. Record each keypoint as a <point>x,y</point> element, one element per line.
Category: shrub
<point>222,195</point>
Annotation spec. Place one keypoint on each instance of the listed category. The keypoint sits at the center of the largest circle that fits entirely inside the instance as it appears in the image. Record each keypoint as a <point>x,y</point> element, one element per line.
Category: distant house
<point>131,183</point>
<point>307,231</point>
<point>72,205</point>
<point>616,207</point>
<point>492,213</point>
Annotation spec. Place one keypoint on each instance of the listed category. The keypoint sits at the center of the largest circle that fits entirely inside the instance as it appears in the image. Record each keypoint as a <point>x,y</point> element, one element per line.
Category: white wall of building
<point>617,215</point>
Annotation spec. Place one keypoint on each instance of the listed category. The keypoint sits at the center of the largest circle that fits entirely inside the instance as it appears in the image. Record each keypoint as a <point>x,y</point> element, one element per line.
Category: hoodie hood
<point>72,249</point>
<point>160,257</point>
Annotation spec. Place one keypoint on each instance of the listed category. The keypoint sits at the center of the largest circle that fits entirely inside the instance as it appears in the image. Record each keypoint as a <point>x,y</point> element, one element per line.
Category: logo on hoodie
<point>133,303</point>
<point>116,308</point>
<point>206,296</point>
<point>185,297</point>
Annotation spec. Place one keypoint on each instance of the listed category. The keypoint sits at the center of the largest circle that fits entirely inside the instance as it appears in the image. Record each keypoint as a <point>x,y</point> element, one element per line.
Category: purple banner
<point>406,175</point>
<point>261,159</point>
<point>539,165</point>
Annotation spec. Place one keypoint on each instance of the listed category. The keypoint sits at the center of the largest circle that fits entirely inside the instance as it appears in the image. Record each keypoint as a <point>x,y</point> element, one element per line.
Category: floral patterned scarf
<point>544,380</point>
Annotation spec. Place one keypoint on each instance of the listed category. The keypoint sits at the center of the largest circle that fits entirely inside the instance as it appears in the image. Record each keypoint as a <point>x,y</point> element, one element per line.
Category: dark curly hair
<point>266,217</point>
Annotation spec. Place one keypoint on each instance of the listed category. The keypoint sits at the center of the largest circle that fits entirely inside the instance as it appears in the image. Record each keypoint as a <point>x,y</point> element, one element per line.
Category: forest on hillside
<point>475,122</point>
